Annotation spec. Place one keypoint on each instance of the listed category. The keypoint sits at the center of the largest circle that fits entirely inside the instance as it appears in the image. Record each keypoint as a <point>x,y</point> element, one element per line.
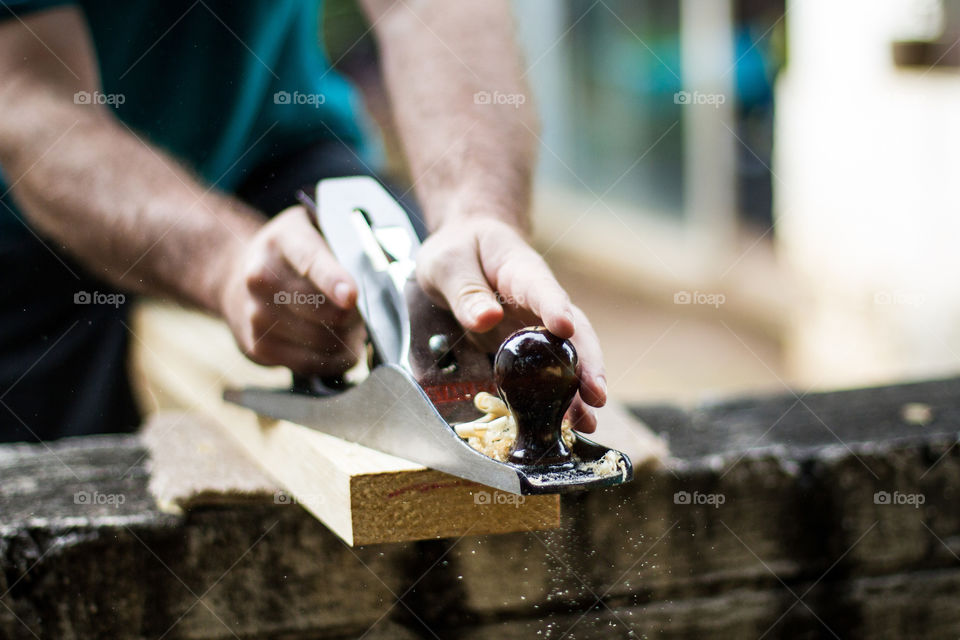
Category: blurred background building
<point>743,194</point>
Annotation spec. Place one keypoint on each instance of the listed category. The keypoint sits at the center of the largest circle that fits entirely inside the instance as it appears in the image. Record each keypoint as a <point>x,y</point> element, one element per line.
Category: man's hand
<point>485,272</point>
<point>288,301</point>
<point>472,163</point>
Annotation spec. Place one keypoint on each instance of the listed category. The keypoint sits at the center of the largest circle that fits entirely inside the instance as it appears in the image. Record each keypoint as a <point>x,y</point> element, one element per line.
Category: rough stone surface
<point>86,554</point>
<point>834,514</point>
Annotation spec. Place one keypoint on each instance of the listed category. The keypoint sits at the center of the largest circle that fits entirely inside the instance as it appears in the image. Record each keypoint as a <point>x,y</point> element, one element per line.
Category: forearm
<point>467,156</point>
<point>123,209</point>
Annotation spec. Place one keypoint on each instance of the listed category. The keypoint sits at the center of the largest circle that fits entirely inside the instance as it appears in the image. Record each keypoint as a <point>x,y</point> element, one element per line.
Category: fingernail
<point>569,318</point>
<point>602,383</point>
<point>341,293</point>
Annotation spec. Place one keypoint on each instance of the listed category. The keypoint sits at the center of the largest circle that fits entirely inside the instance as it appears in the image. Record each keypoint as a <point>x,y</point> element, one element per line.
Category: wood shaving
<point>494,433</point>
<point>611,462</point>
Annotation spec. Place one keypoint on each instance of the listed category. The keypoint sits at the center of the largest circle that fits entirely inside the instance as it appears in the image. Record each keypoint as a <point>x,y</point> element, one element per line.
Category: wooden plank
<point>183,359</point>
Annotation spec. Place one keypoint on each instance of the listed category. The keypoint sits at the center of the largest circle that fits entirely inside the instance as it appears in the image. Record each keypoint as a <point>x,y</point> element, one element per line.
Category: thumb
<point>464,288</point>
<point>307,253</point>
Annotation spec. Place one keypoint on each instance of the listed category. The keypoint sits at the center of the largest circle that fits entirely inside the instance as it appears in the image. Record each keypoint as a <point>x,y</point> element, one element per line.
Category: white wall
<point>867,159</point>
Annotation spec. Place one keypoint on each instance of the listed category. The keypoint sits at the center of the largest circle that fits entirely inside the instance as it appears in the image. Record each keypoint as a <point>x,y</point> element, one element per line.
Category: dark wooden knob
<point>536,375</point>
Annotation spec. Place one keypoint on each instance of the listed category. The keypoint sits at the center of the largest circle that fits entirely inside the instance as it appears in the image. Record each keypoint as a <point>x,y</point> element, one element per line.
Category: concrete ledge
<point>86,554</point>
<point>833,514</point>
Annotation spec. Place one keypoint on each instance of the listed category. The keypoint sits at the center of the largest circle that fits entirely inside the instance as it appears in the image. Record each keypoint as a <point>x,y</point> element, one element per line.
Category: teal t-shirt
<point>222,85</point>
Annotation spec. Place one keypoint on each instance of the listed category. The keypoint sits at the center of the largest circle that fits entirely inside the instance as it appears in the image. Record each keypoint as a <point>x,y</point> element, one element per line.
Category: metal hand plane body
<point>425,373</point>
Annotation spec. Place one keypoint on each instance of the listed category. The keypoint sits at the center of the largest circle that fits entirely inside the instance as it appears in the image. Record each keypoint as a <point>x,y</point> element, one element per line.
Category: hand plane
<point>426,372</point>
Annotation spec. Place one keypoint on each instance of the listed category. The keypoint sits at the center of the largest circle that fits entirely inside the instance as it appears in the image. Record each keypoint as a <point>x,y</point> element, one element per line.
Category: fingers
<point>458,264</point>
<point>279,286</point>
<point>593,384</point>
<point>276,352</point>
<point>522,276</point>
<point>305,250</point>
<point>593,381</point>
<point>282,300</point>
<point>582,417</point>
<point>456,275</point>
<point>330,338</point>
<point>273,335</point>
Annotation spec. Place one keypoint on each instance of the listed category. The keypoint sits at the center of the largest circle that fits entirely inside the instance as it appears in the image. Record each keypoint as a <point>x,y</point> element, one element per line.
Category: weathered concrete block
<point>86,554</point>
<point>921,604</point>
<point>891,523</point>
<point>736,614</point>
<point>805,484</point>
<point>523,572</point>
<point>682,535</point>
<point>776,518</point>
